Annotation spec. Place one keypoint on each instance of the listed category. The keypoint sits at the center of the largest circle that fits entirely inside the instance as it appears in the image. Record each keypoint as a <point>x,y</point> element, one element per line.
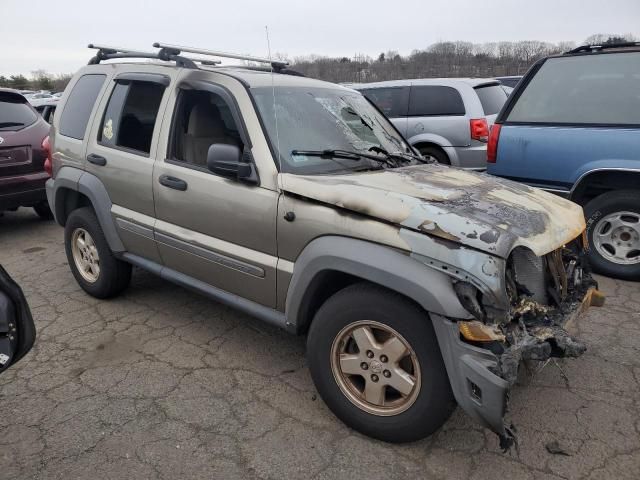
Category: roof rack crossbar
<point>177,49</point>
<point>106,52</point>
<point>604,46</point>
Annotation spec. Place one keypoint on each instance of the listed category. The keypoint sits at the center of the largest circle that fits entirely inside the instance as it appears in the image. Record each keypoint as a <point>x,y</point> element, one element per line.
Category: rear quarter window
<point>392,101</point>
<point>601,89</point>
<point>435,100</point>
<point>77,110</point>
<point>492,98</point>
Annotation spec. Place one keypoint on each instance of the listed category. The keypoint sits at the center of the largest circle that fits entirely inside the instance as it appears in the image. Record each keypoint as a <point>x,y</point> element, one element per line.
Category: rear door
<point>393,102</point>
<point>576,113</point>
<point>121,152</point>
<point>440,111</point>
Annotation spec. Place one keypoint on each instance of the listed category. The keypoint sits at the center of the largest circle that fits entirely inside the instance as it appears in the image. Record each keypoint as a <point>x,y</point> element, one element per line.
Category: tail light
<point>479,129</point>
<point>48,164</point>
<point>492,146</point>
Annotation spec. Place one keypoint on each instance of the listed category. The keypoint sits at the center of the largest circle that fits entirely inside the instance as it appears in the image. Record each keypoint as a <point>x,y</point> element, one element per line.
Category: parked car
<point>572,126</point>
<point>297,201</point>
<point>446,119</point>
<point>17,330</point>
<point>510,81</point>
<point>46,109</point>
<point>40,99</point>
<point>23,151</point>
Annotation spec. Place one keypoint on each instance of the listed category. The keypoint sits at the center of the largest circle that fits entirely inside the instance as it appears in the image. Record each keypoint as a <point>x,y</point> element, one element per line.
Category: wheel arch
<point>73,188</point>
<point>329,264</point>
<point>594,183</point>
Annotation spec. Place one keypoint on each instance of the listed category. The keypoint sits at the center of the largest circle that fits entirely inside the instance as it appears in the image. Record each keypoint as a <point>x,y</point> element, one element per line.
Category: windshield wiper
<point>405,157</point>
<point>346,154</point>
<point>11,124</point>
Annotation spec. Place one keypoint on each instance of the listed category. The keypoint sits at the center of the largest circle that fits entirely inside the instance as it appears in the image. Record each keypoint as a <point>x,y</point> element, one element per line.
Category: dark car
<point>23,151</point>
<point>17,330</point>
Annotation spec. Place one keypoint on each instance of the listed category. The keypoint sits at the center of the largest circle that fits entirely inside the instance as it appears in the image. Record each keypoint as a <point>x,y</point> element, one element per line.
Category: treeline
<point>442,59</point>
<point>39,80</point>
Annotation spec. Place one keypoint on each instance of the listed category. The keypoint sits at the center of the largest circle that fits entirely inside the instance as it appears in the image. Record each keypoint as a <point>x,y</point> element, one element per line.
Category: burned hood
<point>475,209</point>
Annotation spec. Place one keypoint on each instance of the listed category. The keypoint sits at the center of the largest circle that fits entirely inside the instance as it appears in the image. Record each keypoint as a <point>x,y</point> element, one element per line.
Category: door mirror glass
<point>17,331</point>
<point>226,160</point>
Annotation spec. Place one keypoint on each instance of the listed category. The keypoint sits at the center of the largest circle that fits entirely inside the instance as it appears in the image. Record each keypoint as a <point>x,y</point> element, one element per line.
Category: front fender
<point>390,268</point>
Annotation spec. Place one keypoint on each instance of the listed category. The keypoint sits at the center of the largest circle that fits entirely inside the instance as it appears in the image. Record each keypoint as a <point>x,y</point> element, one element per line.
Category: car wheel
<point>613,231</point>
<point>43,210</point>
<point>436,154</point>
<point>375,360</point>
<point>98,272</point>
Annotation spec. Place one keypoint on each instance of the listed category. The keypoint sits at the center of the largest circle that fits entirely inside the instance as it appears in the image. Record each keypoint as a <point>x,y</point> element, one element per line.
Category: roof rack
<point>178,49</point>
<point>106,52</point>
<point>604,46</point>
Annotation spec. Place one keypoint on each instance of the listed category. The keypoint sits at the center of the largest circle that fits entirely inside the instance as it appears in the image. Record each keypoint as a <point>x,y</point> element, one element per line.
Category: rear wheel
<point>92,263</point>
<point>375,361</point>
<point>436,154</point>
<point>613,229</point>
<point>43,210</point>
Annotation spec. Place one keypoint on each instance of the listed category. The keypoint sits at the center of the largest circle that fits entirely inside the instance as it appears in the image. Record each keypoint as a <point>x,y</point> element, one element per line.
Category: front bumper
<point>481,377</point>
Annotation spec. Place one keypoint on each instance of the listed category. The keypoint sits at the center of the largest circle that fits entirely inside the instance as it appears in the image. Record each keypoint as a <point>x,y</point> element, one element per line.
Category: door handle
<point>96,159</point>
<point>173,182</point>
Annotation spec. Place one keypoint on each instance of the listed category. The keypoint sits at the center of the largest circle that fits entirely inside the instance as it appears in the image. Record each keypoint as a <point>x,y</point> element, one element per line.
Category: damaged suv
<point>297,201</point>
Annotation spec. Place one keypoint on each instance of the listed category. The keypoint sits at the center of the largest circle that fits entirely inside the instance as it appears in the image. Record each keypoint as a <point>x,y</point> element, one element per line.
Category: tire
<point>43,210</point>
<point>433,401</point>
<point>614,243</point>
<point>435,153</point>
<point>111,275</point>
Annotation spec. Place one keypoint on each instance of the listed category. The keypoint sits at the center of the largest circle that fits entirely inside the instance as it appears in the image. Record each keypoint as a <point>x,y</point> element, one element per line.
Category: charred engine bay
<point>544,292</point>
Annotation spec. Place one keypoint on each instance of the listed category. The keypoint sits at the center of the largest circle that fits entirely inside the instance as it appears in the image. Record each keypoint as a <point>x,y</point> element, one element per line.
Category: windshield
<point>324,119</point>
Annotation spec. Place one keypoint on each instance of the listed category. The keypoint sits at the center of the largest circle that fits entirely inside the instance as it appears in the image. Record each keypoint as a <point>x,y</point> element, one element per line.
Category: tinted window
<point>492,98</point>
<point>75,115</point>
<point>435,100</point>
<point>586,89</point>
<point>131,115</point>
<point>391,101</point>
<point>14,112</point>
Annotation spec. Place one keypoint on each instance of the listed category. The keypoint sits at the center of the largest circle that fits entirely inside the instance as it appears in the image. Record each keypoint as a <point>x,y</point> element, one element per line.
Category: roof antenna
<point>289,216</point>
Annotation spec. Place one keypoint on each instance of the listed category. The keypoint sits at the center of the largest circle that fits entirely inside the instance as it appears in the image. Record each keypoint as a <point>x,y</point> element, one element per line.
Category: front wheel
<point>92,263</point>
<point>613,230</point>
<point>375,361</point>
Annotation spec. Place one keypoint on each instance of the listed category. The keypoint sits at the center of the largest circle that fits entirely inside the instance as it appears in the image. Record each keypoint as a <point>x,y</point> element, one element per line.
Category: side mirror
<point>226,160</point>
<point>17,331</point>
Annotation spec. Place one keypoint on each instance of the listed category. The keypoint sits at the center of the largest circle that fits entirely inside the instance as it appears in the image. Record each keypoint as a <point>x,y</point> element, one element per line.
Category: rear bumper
<point>22,190</point>
<point>480,379</point>
<point>473,157</point>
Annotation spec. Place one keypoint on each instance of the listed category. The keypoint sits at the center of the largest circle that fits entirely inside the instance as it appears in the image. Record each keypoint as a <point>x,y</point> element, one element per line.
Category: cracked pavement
<point>162,383</point>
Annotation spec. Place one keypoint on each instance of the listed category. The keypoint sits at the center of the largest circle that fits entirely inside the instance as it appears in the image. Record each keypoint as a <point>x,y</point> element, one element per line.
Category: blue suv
<point>572,127</point>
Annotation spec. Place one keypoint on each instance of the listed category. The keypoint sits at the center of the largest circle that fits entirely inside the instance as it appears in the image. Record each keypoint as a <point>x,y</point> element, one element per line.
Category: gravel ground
<point>162,383</point>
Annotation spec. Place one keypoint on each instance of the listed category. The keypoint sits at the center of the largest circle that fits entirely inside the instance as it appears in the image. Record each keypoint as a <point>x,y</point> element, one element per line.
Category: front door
<point>217,230</point>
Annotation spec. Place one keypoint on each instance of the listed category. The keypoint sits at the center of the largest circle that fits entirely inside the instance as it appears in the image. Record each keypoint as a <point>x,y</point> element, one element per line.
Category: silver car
<point>447,119</point>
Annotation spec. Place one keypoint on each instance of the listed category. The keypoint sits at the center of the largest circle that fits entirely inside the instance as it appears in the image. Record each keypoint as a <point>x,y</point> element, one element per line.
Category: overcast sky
<point>52,35</point>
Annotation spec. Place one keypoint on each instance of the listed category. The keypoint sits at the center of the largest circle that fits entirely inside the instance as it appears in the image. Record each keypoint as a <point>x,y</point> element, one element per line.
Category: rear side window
<point>587,89</point>
<point>392,101</point>
<point>131,115</point>
<point>15,113</point>
<point>492,98</point>
<point>430,100</point>
<point>75,115</point>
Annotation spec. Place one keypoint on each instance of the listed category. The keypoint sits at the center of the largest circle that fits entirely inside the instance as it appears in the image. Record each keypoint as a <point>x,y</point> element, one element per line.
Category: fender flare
<point>600,166</point>
<point>385,266</point>
<point>90,186</point>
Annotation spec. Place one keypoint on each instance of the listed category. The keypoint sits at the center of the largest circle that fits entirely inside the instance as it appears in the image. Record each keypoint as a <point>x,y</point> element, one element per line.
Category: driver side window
<point>201,119</point>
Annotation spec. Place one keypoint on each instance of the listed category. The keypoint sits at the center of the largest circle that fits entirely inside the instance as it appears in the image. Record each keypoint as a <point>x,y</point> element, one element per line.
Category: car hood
<point>475,209</point>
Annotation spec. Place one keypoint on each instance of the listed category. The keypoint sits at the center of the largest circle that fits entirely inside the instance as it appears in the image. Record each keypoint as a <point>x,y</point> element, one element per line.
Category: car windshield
<point>318,119</point>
